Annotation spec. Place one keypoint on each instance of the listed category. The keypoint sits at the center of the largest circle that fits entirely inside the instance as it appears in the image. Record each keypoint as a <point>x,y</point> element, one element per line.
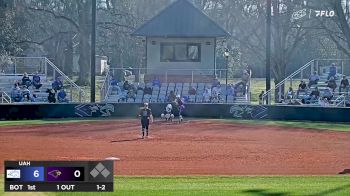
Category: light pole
<point>226,55</point>
<point>93,51</point>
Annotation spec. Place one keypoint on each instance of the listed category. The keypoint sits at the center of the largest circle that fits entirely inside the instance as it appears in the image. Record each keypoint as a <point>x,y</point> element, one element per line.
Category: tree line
<point>60,29</point>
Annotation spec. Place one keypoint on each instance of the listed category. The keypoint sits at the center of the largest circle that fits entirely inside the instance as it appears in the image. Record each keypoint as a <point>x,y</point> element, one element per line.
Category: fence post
<point>80,96</point>
<point>166,77</point>
<point>342,67</point>
<point>15,71</point>
<point>192,76</point>
<point>45,67</point>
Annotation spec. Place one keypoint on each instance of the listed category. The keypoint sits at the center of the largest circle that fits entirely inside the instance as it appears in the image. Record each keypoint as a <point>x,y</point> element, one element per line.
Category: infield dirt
<point>197,147</point>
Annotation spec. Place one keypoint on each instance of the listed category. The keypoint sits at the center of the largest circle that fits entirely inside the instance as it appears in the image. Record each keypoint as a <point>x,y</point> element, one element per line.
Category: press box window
<point>178,52</point>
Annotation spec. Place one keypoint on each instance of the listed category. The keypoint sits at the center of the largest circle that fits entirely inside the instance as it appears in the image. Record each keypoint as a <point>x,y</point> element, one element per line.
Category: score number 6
<point>36,174</point>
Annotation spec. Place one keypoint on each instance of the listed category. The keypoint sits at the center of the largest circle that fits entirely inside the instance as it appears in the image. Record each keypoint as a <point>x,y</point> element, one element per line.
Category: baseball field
<point>197,157</point>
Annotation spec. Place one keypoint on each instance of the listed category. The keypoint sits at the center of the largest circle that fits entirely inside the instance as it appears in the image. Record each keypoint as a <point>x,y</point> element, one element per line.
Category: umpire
<point>146,116</point>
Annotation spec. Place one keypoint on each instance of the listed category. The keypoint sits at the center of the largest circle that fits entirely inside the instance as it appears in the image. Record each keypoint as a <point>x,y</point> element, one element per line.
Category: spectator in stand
<point>314,78</point>
<point>131,93</point>
<point>344,84</point>
<point>192,91</point>
<point>16,83</point>
<point>115,86</point>
<point>206,95</point>
<point>261,101</point>
<point>301,87</point>
<point>230,90</point>
<point>171,97</point>
<point>126,85</point>
<point>147,90</point>
<point>314,95</point>
<point>331,83</point>
<point>52,95</point>
<point>57,84</point>
<point>215,94</point>
<point>327,94</point>
<point>36,81</point>
<point>27,95</point>
<point>290,93</point>
<point>62,96</point>
<point>26,81</point>
<point>332,71</point>
<point>245,77</point>
<point>215,83</point>
<point>156,82</point>
<point>16,94</point>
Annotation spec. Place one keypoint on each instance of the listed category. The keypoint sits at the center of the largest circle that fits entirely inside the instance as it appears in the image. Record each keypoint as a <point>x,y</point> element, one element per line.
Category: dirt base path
<point>199,147</point>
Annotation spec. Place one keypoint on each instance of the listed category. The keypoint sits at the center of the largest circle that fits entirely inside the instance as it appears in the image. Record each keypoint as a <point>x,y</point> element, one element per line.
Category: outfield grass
<point>229,185</point>
<point>298,124</point>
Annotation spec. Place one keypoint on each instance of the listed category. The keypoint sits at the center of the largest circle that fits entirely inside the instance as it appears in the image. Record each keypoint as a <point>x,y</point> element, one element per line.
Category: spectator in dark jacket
<point>26,81</point>
<point>126,86</point>
<point>52,95</point>
<point>331,83</point>
<point>36,81</point>
<point>171,97</point>
<point>147,90</point>
<point>57,84</point>
<point>192,91</point>
<point>344,84</point>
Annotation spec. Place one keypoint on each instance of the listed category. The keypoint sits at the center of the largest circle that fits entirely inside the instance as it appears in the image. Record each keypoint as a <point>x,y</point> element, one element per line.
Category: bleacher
<point>160,94</point>
<point>7,82</point>
<point>322,86</point>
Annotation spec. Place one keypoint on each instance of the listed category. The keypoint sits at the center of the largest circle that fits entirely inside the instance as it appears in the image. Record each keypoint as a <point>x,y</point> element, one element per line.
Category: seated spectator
<point>171,97</point>
<point>331,83</point>
<point>192,91</point>
<point>131,93</point>
<point>290,93</point>
<point>215,94</point>
<point>115,85</point>
<point>16,94</point>
<point>215,83</point>
<point>315,94</point>
<point>52,95</point>
<point>156,82</point>
<point>57,84</point>
<point>314,78</point>
<point>344,84</point>
<point>231,90</point>
<point>26,81</point>
<point>16,83</point>
<point>240,88</point>
<point>147,90</point>
<point>126,86</point>
<point>332,71</point>
<point>261,101</point>
<point>206,95</point>
<point>28,96</point>
<point>301,87</point>
<point>62,96</point>
<point>327,93</point>
<point>36,81</point>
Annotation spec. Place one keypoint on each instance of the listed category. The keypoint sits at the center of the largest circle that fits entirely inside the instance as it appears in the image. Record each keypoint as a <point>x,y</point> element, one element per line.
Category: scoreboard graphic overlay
<point>59,176</point>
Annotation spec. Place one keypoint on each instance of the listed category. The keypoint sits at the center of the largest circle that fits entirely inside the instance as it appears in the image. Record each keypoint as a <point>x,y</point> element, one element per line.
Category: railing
<point>142,75</point>
<point>320,66</point>
<point>44,67</point>
<point>72,84</point>
<point>5,98</point>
